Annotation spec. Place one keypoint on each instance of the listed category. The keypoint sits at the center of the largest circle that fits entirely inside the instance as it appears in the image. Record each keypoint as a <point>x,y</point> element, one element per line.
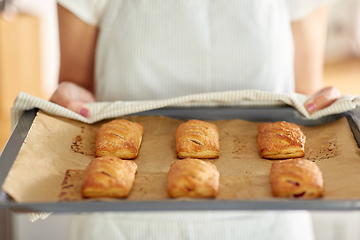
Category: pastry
<point>108,176</point>
<point>280,140</point>
<point>296,178</point>
<point>120,138</point>
<point>193,178</point>
<point>71,185</point>
<point>197,139</point>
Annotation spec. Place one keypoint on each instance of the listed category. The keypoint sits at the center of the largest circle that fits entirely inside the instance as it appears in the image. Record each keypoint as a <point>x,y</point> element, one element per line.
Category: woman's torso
<point>161,49</point>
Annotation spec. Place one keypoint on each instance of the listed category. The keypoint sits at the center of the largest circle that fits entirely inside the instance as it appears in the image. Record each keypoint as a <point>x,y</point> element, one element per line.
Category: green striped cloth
<point>105,110</point>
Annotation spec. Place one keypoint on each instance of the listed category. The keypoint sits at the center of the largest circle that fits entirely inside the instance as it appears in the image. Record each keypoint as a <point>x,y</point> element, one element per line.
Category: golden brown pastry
<point>71,185</point>
<point>296,178</point>
<point>193,178</point>
<point>108,176</point>
<point>197,139</point>
<point>281,140</point>
<point>120,138</point>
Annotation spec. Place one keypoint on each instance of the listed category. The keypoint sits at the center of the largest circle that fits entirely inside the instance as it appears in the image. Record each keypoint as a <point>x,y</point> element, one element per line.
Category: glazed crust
<point>108,176</point>
<point>281,140</point>
<point>193,178</point>
<point>120,138</point>
<point>296,178</point>
<point>197,139</point>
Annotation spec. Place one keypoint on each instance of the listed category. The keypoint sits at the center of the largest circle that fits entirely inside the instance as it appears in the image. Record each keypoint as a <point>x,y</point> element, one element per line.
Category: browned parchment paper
<point>56,144</point>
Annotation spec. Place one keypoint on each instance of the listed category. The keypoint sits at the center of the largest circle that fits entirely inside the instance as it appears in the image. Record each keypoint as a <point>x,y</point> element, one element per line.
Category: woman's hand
<point>322,99</point>
<point>73,97</point>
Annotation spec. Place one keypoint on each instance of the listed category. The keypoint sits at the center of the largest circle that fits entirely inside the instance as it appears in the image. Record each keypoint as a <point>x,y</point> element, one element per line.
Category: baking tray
<point>285,113</point>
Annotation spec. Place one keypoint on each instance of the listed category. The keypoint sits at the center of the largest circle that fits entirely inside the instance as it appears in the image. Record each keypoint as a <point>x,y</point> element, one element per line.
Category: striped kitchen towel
<point>105,110</point>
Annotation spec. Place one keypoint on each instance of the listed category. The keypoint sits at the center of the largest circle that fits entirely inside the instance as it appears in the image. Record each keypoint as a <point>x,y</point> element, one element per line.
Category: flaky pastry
<point>296,178</point>
<point>197,139</point>
<point>193,178</point>
<point>108,176</point>
<point>120,138</point>
<point>281,140</point>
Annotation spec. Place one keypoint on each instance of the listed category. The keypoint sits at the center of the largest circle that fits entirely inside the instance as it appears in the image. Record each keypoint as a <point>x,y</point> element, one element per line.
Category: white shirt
<point>161,49</point>
<point>157,49</point>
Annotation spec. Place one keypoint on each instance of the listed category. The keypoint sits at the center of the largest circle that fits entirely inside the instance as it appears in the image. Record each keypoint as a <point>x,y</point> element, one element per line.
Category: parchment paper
<point>55,144</point>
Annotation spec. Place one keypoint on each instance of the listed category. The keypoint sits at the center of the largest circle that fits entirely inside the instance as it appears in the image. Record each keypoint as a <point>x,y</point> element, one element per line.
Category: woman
<point>146,50</point>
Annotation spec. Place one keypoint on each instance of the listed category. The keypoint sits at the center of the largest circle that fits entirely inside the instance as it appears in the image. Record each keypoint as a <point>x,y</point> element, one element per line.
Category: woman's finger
<point>78,107</point>
<point>322,99</point>
<point>73,97</point>
<point>73,105</point>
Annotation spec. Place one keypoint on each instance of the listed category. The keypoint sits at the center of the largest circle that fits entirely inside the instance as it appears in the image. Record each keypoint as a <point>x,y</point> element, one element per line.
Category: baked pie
<point>296,178</point>
<point>193,178</point>
<point>281,140</point>
<point>108,176</point>
<point>120,138</point>
<point>197,139</point>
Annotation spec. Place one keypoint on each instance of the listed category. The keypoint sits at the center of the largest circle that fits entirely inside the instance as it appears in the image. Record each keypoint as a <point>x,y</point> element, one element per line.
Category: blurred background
<point>29,62</point>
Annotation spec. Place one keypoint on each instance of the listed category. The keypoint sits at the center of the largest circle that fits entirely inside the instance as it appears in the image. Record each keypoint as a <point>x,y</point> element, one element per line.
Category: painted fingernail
<point>311,107</point>
<point>84,112</point>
